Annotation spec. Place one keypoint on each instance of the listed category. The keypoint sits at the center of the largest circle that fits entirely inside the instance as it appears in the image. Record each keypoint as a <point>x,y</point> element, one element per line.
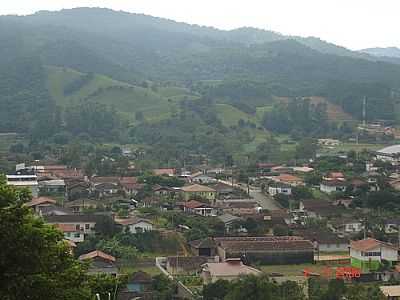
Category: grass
<point>157,104</point>
<point>346,147</point>
<point>230,115</point>
<point>297,270</point>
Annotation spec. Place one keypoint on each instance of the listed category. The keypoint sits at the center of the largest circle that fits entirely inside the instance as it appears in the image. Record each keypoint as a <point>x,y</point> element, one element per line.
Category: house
<point>163,191</point>
<point>198,191</point>
<point>239,207</point>
<point>229,270</point>
<point>368,254</point>
<point>391,292</point>
<point>100,263</point>
<point>77,189</point>
<point>266,249</point>
<point>204,247</point>
<point>346,225</point>
<point>138,285</point>
<point>52,187</point>
<point>332,186</point>
<point>54,210</point>
<point>288,179</point>
<point>85,223</point>
<point>203,179</point>
<point>229,221</point>
<point>187,265</point>
<point>323,239</point>
<point>71,233</point>
<point>279,188</point>
<point>164,172</point>
<point>24,181</point>
<point>130,185</point>
<point>38,203</point>
<point>105,189</point>
<point>199,208</point>
<point>68,174</point>
<point>222,189</point>
<point>392,225</point>
<point>318,208</point>
<point>135,225</point>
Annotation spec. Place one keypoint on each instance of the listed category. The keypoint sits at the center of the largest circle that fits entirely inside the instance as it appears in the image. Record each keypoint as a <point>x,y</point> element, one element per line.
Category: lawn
<point>153,270</point>
<point>346,147</point>
<point>298,270</point>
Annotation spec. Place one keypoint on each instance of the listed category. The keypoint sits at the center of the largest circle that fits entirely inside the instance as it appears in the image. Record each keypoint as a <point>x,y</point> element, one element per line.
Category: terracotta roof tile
<point>97,253</point>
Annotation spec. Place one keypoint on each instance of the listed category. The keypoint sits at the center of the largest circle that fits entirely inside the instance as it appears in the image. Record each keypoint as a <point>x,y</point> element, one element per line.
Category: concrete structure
<point>100,263</point>
<point>24,181</point>
<point>71,232</point>
<point>84,223</point>
<point>369,254</point>
<point>391,292</point>
<point>332,186</point>
<point>199,208</point>
<point>135,225</point>
<point>266,249</point>
<point>197,190</point>
<point>229,270</point>
<point>279,188</point>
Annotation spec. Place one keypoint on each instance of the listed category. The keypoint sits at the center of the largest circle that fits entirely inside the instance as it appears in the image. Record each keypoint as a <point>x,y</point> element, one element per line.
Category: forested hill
<point>83,69</point>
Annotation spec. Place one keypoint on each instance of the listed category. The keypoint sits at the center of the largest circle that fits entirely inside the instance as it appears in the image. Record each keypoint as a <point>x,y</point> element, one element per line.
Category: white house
<point>135,225</point>
<point>24,181</point>
<point>369,254</point>
<point>332,186</point>
<point>203,179</point>
<point>199,208</point>
<point>275,189</point>
<point>346,226</point>
<point>71,233</point>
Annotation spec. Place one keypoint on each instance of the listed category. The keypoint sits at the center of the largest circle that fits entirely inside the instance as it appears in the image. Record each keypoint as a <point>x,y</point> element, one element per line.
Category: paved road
<point>265,201</point>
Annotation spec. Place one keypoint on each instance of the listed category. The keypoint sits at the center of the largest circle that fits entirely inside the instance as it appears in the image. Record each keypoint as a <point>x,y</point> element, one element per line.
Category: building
<point>229,221</point>
<point>204,247</point>
<point>223,189</point>
<point>318,208</point>
<point>391,292</point>
<point>135,225</point>
<point>239,207</point>
<point>164,172</point>
<point>288,179</point>
<point>390,154</point>
<point>52,187</point>
<point>346,225</point>
<point>229,270</point>
<point>138,286</point>
<point>24,181</point>
<point>271,250</point>
<point>332,186</point>
<point>199,208</point>
<point>71,232</point>
<point>198,191</point>
<point>188,265</point>
<point>84,223</point>
<point>369,254</point>
<point>324,240</point>
<point>37,204</point>
<point>100,263</point>
<point>203,179</point>
<point>279,188</point>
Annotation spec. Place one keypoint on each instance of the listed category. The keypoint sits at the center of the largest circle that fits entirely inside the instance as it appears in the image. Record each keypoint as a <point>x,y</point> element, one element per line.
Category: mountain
<point>382,52</point>
<point>149,76</point>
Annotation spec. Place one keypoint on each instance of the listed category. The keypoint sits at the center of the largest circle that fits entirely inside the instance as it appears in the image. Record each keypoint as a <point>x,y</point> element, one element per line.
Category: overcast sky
<point>352,23</point>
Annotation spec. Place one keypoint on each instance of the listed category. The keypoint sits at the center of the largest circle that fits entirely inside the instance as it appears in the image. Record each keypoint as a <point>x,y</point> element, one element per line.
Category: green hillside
<point>155,103</point>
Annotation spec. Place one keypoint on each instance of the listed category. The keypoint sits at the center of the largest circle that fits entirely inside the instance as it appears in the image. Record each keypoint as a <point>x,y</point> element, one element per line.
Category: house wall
<point>327,189</point>
<point>76,237</point>
<point>274,257</point>
<point>206,195</point>
<point>140,227</point>
<point>333,247</point>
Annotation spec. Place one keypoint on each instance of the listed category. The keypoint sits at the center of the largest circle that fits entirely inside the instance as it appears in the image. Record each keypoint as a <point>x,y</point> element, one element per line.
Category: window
<point>77,227</point>
<point>77,235</point>
<point>87,226</point>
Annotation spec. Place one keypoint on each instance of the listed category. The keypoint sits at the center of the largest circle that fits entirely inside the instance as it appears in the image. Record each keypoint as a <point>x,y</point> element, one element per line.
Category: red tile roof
<point>197,188</point>
<point>288,178</point>
<point>40,200</point>
<point>195,204</point>
<point>169,172</point>
<point>97,253</point>
<point>66,227</point>
<point>368,244</point>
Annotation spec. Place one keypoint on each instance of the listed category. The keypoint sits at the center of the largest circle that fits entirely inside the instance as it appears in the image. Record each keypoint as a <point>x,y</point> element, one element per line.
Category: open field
<point>298,270</point>
<point>346,147</point>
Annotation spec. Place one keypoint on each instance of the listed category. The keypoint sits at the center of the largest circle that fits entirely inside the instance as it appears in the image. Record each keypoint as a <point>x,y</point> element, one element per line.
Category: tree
<point>35,262</point>
<point>217,290</point>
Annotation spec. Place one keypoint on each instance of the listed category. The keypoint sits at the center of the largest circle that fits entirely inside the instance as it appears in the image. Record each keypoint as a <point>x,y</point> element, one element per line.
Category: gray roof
<point>395,149</point>
<point>228,218</point>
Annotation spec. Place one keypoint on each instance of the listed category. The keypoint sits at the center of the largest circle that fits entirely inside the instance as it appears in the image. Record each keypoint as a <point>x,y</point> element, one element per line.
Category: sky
<point>355,24</point>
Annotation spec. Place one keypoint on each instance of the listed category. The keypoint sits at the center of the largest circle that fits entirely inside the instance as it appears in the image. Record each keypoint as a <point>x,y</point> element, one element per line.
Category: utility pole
<point>364,111</point>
